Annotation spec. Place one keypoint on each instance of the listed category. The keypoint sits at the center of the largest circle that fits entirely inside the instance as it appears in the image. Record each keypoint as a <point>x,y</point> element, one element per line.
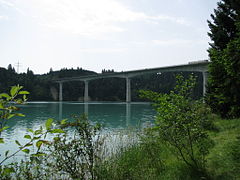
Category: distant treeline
<point>43,88</point>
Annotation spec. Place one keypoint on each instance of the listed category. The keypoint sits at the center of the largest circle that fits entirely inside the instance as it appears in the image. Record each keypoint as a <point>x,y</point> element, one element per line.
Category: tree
<point>224,54</point>
<point>183,123</point>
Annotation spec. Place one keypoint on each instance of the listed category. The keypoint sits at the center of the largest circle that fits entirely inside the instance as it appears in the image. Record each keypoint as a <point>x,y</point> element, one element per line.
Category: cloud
<point>86,17</point>
<point>102,50</point>
<point>3,17</point>
<point>177,42</point>
<point>176,20</point>
<point>6,3</point>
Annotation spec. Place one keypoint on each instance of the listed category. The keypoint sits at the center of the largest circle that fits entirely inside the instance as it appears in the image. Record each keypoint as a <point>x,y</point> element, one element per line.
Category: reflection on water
<point>113,116</point>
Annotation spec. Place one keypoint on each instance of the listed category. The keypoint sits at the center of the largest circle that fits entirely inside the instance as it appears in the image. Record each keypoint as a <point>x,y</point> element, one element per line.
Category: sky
<point>103,34</point>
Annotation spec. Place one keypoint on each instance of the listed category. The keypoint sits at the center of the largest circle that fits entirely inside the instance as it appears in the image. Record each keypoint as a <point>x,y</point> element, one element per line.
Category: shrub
<point>182,122</point>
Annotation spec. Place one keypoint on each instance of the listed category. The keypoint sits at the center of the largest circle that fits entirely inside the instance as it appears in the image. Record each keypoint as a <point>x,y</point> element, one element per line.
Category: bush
<point>182,123</point>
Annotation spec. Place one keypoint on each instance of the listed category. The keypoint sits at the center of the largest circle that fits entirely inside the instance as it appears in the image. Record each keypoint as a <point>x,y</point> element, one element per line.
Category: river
<point>112,116</point>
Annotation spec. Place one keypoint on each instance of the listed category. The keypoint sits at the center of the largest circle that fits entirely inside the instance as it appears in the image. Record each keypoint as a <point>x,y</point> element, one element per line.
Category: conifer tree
<point>224,80</point>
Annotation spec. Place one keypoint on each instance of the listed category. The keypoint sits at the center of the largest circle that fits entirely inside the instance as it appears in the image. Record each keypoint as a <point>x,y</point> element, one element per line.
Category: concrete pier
<point>86,91</point>
<point>128,90</point>
<point>60,91</point>
<point>205,78</point>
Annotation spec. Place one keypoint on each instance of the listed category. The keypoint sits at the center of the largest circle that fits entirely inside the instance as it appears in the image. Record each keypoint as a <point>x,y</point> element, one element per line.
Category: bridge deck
<point>194,67</point>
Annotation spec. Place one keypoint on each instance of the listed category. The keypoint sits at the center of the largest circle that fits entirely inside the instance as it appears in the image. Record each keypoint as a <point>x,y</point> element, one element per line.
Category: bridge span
<point>195,66</point>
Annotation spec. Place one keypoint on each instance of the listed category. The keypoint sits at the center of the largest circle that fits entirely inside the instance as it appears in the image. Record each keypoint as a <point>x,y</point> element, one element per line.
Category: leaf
<point>30,130</point>
<point>7,171</point>
<point>1,106</point>
<point>1,140</point>
<point>39,131</point>
<point>57,131</point>
<point>20,114</point>
<point>35,138</point>
<point>28,144</point>
<point>64,121</point>
<point>14,90</point>
<point>24,97</point>
<point>5,127</point>
<point>48,123</point>
<point>39,143</point>
<point>6,153</point>
<point>27,137</point>
<point>17,142</point>
<point>26,151</point>
<point>10,116</point>
<point>23,92</point>
<point>56,139</point>
<point>5,95</point>
<point>39,154</point>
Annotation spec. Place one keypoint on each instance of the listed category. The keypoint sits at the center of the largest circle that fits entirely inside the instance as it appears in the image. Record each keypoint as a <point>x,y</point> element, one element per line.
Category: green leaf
<point>1,140</point>
<point>5,127</point>
<point>24,97</point>
<point>27,137</point>
<point>48,123</point>
<point>39,154</point>
<point>57,131</point>
<point>28,144</point>
<point>14,90</point>
<point>20,114</point>
<point>26,151</point>
<point>10,116</point>
<point>39,131</point>
<point>39,143</point>
<point>1,106</point>
<point>30,130</point>
<point>17,142</point>
<point>6,153</point>
<point>5,95</point>
<point>7,171</point>
<point>23,92</point>
<point>35,138</point>
<point>56,139</point>
<point>64,121</point>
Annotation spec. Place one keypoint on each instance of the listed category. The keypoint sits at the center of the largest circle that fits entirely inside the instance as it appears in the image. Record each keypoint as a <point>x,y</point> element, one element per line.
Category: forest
<point>43,87</point>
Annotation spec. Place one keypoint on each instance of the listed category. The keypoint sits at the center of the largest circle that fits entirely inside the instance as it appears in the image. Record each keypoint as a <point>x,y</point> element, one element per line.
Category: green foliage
<point>224,158</point>
<point>223,28</point>
<point>138,162</point>
<point>7,108</point>
<point>223,95</point>
<point>77,152</point>
<point>182,122</point>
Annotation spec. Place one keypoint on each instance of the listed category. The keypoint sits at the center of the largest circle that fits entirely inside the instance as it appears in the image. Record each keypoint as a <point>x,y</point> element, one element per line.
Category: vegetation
<point>224,82</point>
<point>186,142</point>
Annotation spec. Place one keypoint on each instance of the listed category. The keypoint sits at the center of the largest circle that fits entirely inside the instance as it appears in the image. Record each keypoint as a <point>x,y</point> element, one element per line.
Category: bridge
<point>195,66</point>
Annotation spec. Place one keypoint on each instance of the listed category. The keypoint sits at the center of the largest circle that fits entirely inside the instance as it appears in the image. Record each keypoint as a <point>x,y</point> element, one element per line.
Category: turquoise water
<point>113,117</point>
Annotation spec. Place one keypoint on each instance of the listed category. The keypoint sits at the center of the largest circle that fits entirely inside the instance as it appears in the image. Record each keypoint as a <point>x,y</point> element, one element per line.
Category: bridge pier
<point>86,91</point>
<point>128,90</point>
<point>60,91</point>
<point>205,78</point>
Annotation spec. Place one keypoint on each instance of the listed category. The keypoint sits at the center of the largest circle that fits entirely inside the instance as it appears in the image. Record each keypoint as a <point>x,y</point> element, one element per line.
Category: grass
<point>153,160</point>
<point>224,158</point>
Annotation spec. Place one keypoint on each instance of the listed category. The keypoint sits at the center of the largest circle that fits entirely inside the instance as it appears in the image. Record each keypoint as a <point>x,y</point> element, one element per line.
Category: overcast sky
<point>103,34</point>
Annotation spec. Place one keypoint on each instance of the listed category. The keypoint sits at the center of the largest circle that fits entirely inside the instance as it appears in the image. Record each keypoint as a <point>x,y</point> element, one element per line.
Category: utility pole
<point>18,66</point>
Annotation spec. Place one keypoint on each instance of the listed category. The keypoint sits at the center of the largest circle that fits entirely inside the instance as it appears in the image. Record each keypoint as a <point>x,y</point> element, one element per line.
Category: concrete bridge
<point>195,66</point>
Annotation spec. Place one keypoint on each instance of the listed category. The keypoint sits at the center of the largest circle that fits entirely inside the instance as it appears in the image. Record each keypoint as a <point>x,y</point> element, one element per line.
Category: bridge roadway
<point>195,66</point>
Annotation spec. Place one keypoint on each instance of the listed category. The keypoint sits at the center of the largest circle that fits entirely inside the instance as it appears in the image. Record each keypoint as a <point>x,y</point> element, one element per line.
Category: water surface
<point>113,117</point>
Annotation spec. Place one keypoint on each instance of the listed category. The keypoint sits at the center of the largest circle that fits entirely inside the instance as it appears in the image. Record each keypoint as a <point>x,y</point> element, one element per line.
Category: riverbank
<point>153,159</point>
